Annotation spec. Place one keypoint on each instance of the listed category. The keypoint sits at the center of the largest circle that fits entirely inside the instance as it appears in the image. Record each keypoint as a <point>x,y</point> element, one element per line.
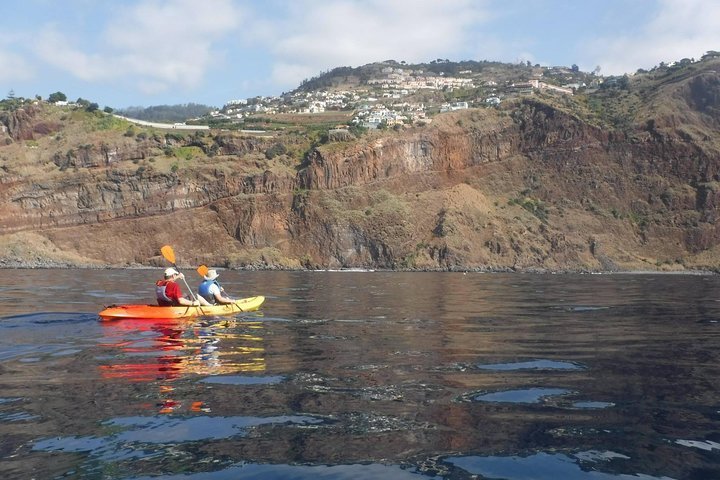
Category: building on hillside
<point>523,87</point>
<point>450,107</point>
<point>546,86</point>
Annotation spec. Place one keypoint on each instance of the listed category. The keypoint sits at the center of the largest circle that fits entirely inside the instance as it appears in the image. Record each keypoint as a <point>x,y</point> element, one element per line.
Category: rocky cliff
<point>537,184</point>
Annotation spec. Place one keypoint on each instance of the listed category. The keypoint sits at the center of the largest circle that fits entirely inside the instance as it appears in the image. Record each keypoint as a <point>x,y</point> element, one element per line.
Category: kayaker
<point>169,293</point>
<point>211,290</point>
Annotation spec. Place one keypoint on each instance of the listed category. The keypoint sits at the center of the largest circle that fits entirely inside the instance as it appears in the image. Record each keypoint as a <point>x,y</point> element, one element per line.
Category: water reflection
<point>169,349</point>
<point>707,445</point>
<point>358,375</point>
<point>183,347</point>
<point>528,395</point>
<point>532,365</point>
<point>244,380</point>
<point>254,471</point>
<point>547,466</point>
<point>168,430</point>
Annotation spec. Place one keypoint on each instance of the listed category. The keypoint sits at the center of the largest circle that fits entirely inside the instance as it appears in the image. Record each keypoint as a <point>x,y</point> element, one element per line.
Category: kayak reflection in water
<point>169,293</point>
<point>211,291</point>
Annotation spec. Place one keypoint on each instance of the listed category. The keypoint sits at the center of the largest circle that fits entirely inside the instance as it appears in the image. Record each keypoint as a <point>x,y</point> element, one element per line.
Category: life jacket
<point>162,299</point>
<point>204,291</point>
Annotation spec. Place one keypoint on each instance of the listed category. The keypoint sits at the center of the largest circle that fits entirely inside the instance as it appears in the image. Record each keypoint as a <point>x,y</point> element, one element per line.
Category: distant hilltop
<point>391,93</point>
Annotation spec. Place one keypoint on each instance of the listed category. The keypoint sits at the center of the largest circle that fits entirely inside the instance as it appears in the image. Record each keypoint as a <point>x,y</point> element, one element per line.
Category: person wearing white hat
<point>168,291</point>
<point>211,290</point>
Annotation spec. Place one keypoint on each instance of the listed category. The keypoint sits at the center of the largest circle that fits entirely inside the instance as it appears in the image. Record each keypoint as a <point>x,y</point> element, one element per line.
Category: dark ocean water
<point>364,375</point>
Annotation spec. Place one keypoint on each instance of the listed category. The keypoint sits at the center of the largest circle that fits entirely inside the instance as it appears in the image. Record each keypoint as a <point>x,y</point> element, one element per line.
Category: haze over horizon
<point>164,52</point>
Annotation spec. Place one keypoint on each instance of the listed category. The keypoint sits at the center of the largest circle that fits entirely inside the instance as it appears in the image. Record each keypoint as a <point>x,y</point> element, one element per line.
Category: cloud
<point>13,66</point>
<point>157,45</point>
<point>312,36</point>
<point>680,29</point>
<point>56,49</point>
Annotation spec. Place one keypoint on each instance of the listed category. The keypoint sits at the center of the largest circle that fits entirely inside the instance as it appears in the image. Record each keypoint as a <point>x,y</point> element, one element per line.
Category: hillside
<point>622,176</point>
<point>166,113</point>
<point>484,71</point>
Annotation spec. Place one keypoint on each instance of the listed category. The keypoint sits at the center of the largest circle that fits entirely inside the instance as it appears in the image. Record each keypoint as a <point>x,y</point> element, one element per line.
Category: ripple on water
<point>592,405</point>
<point>540,364</point>
<point>46,318</point>
<point>545,466</point>
<point>527,395</point>
<point>66,352</point>
<point>380,393</point>
<point>164,430</point>
<point>585,308</point>
<point>243,379</point>
<point>19,350</point>
<point>707,445</point>
<point>371,471</point>
<point>181,429</point>
<point>14,416</point>
<point>40,334</point>
<point>365,423</point>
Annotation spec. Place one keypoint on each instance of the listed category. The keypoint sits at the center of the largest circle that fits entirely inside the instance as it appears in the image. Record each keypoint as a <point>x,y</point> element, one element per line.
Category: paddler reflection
<point>168,350</point>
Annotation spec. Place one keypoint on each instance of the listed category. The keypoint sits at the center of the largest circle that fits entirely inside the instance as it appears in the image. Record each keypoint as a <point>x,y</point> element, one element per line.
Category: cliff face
<point>530,186</point>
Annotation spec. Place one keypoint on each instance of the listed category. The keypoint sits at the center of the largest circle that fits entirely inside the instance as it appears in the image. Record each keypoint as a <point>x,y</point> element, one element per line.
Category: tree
<point>11,94</point>
<point>57,97</point>
<point>275,150</point>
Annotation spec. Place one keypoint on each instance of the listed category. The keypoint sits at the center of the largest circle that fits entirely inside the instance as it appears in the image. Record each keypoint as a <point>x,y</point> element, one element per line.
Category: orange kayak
<point>249,304</point>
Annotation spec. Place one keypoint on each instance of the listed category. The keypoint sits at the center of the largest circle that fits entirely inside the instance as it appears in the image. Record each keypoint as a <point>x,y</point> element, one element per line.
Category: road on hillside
<point>171,126</point>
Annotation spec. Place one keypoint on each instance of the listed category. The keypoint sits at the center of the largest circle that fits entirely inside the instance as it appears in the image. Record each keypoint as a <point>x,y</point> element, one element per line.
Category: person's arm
<point>176,291</point>
<point>185,302</point>
<point>219,294</point>
<point>202,301</point>
<point>220,298</point>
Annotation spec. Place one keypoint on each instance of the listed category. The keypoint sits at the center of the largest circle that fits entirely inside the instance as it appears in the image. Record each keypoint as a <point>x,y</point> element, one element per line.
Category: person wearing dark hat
<point>168,291</point>
<point>211,290</point>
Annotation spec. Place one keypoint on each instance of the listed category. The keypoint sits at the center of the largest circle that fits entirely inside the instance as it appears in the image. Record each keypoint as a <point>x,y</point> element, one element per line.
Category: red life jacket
<point>162,299</point>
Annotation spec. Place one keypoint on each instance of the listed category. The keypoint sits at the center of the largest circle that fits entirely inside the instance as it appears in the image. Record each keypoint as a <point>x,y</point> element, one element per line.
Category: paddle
<point>169,254</point>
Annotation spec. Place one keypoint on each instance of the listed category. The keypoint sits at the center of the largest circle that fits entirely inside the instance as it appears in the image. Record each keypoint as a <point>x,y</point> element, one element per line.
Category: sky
<point>123,53</point>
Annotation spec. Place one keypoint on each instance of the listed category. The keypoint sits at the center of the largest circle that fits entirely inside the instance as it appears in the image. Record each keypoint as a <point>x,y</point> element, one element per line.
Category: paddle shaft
<point>188,287</point>
<point>190,290</point>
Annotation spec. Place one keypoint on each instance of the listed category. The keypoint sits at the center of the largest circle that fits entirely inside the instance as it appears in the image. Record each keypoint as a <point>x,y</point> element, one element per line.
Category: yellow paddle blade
<point>202,270</point>
<point>169,254</point>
